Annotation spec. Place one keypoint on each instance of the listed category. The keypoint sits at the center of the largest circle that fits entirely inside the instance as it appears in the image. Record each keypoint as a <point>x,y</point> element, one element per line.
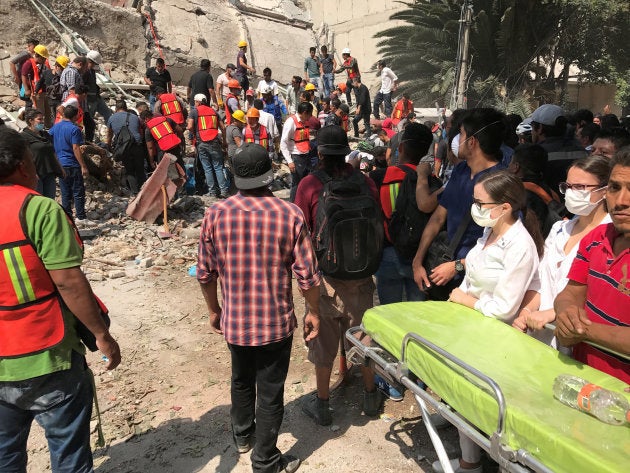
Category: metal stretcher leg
<point>435,437</point>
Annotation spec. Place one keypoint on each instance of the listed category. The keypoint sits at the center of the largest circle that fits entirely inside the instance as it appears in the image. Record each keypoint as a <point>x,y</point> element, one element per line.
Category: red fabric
<point>309,189</point>
<point>263,137</point>
<point>26,325</point>
<point>389,191</point>
<point>211,129</point>
<point>252,245</point>
<point>607,294</point>
<point>301,135</point>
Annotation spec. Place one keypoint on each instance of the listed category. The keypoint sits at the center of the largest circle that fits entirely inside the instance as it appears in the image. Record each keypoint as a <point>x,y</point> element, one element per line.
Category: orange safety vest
<point>344,123</point>
<point>79,120</point>
<point>401,110</point>
<point>31,315</point>
<point>354,70</point>
<point>228,112</point>
<point>262,139</point>
<point>207,123</point>
<point>301,136</point>
<point>162,132</point>
<point>171,108</point>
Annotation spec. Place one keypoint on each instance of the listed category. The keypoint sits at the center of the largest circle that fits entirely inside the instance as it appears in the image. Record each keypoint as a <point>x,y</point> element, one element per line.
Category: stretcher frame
<point>397,373</point>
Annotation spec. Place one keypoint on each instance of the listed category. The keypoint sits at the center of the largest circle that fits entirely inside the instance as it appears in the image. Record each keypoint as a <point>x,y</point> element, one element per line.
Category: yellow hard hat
<point>41,50</point>
<point>310,86</point>
<point>62,61</point>
<point>239,115</point>
<point>242,44</point>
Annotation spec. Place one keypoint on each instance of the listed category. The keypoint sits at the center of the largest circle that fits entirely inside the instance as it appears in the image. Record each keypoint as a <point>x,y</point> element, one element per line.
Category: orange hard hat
<point>342,86</point>
<point>233,84</point>
<point>252,112</point>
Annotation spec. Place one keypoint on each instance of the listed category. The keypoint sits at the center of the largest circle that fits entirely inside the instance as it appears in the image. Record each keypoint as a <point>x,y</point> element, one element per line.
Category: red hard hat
<point>233,84</point>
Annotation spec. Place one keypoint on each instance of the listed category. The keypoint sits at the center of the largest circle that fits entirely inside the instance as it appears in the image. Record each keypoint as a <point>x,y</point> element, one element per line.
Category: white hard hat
<point>267,90</point>
<point>94,56</point>
<point>199,98</point>
<point>345,51</point>
<point>523,128</point>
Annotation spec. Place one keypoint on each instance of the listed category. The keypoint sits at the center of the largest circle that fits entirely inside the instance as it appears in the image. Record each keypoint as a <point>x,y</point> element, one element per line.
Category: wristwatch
<point>459,266</point>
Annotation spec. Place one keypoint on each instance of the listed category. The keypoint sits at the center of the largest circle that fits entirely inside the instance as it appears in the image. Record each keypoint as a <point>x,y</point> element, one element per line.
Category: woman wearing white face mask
<point>584,192</point>
<point>499,268</point>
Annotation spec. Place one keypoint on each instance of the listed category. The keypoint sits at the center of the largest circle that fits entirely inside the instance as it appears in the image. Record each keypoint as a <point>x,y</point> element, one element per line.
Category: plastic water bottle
<point>608,406</point>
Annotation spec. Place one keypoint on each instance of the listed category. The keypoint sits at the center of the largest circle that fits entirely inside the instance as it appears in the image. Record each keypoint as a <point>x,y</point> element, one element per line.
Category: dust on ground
<point>166,407</point>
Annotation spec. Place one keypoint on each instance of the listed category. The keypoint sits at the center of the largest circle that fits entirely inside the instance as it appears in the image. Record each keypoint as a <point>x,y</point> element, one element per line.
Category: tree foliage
<point>520,50</point>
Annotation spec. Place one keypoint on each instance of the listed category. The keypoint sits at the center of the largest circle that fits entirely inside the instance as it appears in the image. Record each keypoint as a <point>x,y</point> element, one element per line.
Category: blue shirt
<point>457,198</point>
<point>118,120</point>
<point>65,134</point>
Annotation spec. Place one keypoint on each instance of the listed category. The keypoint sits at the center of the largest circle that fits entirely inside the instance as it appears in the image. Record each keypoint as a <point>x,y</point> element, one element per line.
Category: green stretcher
<point>506,391</point>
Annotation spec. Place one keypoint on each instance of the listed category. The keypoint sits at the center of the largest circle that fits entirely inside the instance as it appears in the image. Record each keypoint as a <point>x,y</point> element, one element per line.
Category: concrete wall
<point>593,97</point>
<point>354,23</point>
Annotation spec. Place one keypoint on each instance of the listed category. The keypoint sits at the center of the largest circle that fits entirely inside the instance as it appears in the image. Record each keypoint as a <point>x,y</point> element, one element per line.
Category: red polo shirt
<point>607,280</point>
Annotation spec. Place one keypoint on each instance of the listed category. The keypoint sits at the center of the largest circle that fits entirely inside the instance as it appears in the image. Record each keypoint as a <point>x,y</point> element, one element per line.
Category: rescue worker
<point>351,67</point>
<point>31,72</point>
<point>162,135</point>
<point>241,66</point>
<point>338,114</point>
<point>43,293</point>
<point>170,105</point>
<point>274,105</point>
<point>209,133</point>
<point>17,61</point>
<point>95,102</point>
<point>295,145</point>
<point>257,133</point>
<point>232,103</point>
<point>223,80</point>
<point>76,97</point>
<point>403,107</point>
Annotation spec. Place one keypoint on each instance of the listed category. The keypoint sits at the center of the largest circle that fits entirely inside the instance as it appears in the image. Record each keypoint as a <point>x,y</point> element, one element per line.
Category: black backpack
<point>349,224</point>
<point>123,141</point>
<point>407,222</point>
<point>54,91</point>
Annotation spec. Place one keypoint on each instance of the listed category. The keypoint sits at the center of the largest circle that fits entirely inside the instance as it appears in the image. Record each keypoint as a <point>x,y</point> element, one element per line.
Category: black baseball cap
<point>252,167</point>
<point>332,140</point>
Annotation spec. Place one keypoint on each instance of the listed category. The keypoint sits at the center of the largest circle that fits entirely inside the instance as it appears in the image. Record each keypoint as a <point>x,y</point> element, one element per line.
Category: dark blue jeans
<point>47,185</point>
<point>61,403</point>
<point>395,276</point>
<point>211,158</point>
<point>258,374</point>
<point>378,100</point>
<point>72,188</point>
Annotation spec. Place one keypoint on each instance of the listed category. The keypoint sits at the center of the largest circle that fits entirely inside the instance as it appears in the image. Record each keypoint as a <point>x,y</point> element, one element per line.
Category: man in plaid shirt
<point>251,242</point>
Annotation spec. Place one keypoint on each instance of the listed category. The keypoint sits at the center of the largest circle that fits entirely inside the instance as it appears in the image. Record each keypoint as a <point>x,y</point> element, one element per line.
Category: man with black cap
<point>342,301</point>
<point>257,319</point>
<point>549,130</point>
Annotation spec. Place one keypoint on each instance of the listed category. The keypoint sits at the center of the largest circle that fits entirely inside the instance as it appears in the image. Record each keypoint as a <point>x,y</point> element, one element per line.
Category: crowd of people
<point>524,220</point>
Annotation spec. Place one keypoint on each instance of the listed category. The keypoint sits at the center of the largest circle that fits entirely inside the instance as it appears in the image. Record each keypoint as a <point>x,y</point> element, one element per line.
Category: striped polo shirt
<point>607,280</point>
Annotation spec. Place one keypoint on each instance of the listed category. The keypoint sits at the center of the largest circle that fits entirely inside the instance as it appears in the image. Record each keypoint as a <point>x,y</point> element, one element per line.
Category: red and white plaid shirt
<point>252,244</point>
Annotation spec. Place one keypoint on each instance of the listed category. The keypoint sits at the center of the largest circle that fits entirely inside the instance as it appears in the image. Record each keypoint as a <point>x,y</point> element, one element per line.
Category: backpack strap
<point>452,246</point>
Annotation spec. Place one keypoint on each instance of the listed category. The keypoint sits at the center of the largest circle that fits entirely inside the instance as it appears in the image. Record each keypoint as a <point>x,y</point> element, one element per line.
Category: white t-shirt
<point>500,274</point>
<point>387,80</point>
<point>263,83</point>
<point>223,79</point>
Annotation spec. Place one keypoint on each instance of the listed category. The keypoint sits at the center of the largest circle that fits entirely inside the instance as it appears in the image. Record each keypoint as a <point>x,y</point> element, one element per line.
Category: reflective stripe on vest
<point>171,108</point>
<point>31,317</point>
<point>262,138</point>
<point>301,136</point>
<point>228,112</point>
<point>163,133</point>
<point>207,123</point>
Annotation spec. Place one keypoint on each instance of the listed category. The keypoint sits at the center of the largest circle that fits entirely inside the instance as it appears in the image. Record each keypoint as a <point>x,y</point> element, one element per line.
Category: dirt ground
<point>166,407</point>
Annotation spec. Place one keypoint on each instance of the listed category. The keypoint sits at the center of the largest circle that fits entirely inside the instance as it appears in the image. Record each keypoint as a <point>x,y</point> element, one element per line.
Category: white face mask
<point>482,216</point>
<point>579,202</point>
<point>455,145</point>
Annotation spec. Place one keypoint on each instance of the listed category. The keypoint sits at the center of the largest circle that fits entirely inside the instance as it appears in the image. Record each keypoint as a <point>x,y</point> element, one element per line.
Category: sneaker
<point>437,467</point>
<point>372,402</point>
<point>387,389</point>
<point>318,409</point>
<point>289,463</point>
<point>84,222</point>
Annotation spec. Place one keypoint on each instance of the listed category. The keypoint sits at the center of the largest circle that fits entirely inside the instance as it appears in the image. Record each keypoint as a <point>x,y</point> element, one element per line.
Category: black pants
<point>133,162</point>
<point>366,121</point>
<point>302,169</point>
<point>259,373</point>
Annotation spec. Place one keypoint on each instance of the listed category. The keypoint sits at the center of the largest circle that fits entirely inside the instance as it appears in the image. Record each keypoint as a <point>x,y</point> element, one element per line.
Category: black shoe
<point>316,408</point>
<point>289,464</point>
<point>243,444</point>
